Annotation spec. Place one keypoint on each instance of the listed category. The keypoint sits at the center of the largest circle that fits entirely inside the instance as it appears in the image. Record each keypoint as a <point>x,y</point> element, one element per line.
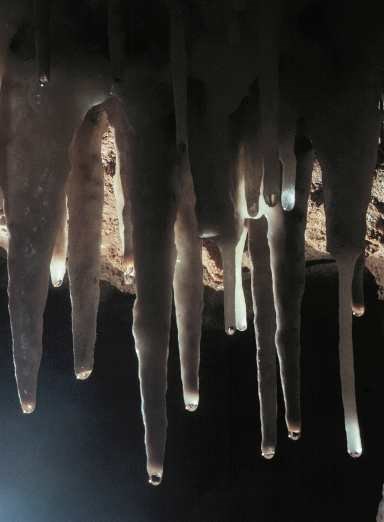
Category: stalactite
<point>58,264</point>
<point>286,243</point>
<point>265,329</point>
<point>347,154</point>
<point>153,238</point>
<point>188,277</point>
<point>188,288</point>
<point>85,203</point>
<point>287,127</point>
<point>235,313</point>
<point>345,265</point>
<point>32,203</point>
<point>358,306</point>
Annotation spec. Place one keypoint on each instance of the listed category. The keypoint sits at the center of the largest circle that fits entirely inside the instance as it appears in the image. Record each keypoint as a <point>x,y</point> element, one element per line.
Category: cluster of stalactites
<point>271,178</point>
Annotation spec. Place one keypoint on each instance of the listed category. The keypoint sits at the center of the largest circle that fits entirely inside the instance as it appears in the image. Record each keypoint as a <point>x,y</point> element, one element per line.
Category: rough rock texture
<point>112,270</point>
<point>111,249</point>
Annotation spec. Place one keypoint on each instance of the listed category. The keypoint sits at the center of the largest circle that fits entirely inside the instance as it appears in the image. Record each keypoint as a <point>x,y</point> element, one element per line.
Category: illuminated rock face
<point>196,157</point>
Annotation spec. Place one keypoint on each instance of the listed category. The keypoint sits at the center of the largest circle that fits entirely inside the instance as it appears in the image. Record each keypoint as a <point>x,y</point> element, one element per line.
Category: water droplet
<point>154,479</point>
<point>83,375</point>
<point>288,199</point>
<point>192,406</point>
<point>355,454</point>
<point>294,435</point>
<point>43,80</point>
<point>268,454</point>
<point>358,310</point>
<point>28,407</point>
<point>230,330</point>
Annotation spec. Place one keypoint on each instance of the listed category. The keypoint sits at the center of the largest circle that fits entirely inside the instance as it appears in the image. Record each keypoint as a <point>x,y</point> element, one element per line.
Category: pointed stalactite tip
<point>268,454</point>
<point>358,310</point>
<point>83,375</point>
<point>28,407</point>
<point>271,199</point>
<point>155,479</point>
<point>288,200</point>
<point>230,330</point>
<point>355,454</point>
<point>192,406</point>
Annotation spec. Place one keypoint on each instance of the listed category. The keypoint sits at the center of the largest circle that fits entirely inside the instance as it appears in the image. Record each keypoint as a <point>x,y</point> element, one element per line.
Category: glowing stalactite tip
<point>355,454</point>
<point>191,406</point>
<point>191,401</point>
<point>268,454</point>
<point>83,375</point>
<point>294,435</point>
<point>358,310</point>
<point>288,199</point>
<point>242,327</point>
<point>28,407</point>
<point>230,330</point>
<point>57,269</point>
<point>155,479</point>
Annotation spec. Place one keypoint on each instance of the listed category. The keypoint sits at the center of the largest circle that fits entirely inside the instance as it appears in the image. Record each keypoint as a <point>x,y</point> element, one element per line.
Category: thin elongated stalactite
<point>58,264</point>
<point>85,204</point>
<point>265,330</point>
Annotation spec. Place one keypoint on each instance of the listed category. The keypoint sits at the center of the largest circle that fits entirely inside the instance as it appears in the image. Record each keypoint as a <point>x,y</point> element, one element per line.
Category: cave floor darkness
<point>80,457</point>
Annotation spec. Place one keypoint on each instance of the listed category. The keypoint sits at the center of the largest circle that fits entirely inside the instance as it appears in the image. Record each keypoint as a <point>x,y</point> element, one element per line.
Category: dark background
<point>80,457</point>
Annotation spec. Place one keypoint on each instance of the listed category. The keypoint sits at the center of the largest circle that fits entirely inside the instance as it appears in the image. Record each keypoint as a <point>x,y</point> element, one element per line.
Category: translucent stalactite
<point>4,235</point>
<point>85,193</point>
<point>154,258</point>
<point>188,289</point>
<point>58,264</point>
<point>265,329</point>
<point>358,306</point>
<point>287,128</point>
<point>286,243</point>
<point>345,266</point>
<point>235,313</point>
<point>347,150</point>
<point>188,276</point>
<point>36,169</point>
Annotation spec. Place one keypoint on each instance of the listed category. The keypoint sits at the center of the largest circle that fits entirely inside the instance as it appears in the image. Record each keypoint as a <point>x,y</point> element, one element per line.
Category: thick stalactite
<point>197,156</point>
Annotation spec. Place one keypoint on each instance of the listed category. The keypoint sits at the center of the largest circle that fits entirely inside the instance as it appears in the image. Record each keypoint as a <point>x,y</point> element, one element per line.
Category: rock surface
<point>112,269</point>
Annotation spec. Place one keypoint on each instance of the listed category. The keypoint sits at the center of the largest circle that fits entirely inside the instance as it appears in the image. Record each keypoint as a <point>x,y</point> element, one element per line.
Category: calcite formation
<point>196,168</point>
